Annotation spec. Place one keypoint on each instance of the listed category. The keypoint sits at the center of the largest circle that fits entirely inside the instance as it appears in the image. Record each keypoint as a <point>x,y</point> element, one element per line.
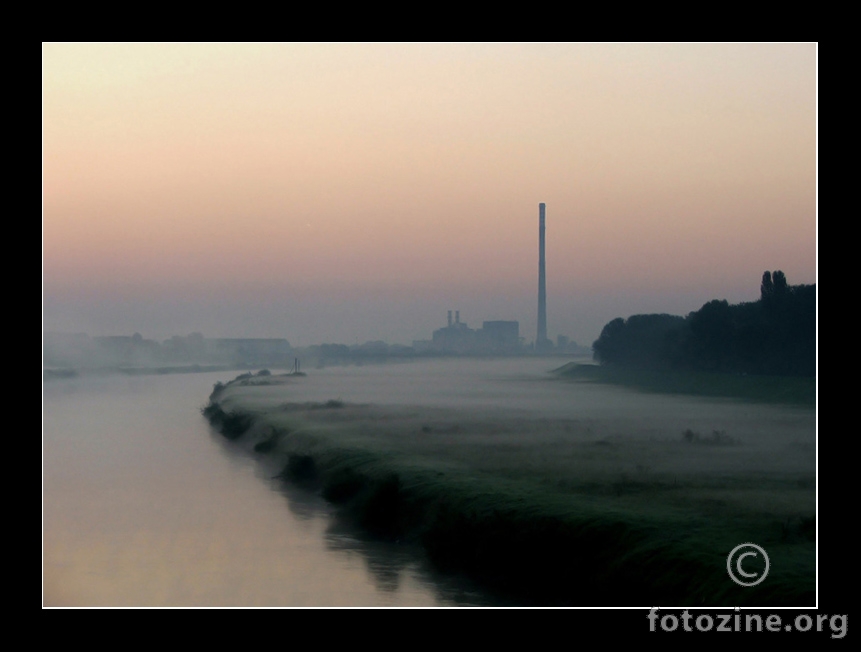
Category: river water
<point>143,505</point>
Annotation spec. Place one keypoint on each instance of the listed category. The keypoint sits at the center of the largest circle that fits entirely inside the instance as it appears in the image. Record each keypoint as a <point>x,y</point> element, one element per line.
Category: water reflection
<point>143,506</point>
<point>400,573</point>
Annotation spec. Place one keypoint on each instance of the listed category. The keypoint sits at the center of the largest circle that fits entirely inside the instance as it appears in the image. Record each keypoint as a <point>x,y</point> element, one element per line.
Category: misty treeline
<point>775,335</point>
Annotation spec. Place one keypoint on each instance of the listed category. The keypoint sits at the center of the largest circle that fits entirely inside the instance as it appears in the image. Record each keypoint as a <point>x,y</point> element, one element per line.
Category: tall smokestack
<point>449,318</point>
<point>541,339</point>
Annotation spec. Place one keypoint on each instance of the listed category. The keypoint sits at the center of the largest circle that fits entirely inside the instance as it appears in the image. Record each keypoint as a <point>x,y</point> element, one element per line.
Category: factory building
<point>457,337</point>
<point>499,337</point>
<point>493,338</point>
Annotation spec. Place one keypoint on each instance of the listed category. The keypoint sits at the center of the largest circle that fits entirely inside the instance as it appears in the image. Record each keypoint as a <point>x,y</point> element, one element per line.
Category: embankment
<point>539,509</point>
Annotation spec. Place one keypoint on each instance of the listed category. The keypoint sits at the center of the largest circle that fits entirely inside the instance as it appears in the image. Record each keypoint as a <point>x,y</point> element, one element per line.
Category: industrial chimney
<point>541,340</point>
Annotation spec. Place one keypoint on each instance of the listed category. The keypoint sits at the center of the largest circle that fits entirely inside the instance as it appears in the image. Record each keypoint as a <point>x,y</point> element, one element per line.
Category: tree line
<point>775,335</point>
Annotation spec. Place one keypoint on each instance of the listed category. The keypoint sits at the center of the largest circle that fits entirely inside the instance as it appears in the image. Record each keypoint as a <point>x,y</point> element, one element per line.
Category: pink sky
<point>343,193</point>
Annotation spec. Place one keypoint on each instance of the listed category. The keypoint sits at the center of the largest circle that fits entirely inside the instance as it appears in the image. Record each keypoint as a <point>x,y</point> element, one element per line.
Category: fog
<point>521,401</point>
<point>454,453</point>
<point>392,317</point>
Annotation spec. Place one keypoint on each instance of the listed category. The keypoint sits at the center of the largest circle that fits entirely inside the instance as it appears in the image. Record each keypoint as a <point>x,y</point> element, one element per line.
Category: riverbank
<point>796,391</point>
<point>554,511</point>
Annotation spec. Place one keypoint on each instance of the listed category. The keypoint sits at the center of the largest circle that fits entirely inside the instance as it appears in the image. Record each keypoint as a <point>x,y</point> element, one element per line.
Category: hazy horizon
<point>354,192</point>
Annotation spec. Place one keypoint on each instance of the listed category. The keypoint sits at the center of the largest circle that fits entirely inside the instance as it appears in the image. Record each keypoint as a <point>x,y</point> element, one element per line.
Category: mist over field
<point>512,476</point>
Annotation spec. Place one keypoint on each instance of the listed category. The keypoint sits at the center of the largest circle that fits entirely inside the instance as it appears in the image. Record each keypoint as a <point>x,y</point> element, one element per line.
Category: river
<point>144,506</point>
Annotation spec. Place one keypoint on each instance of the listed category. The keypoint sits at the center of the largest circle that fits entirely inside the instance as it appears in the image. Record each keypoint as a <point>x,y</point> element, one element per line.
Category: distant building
<point>126,349</point>
<point>457,337</point>
<point>252,351</point>
<point>493,338</point>
<point>499,336</point>
<point>191,348</point>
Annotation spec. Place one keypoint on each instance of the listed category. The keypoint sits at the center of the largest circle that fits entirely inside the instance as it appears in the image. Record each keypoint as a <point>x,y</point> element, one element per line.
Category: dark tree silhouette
<point>780,287</point>
<point>766,289</point>
<point>775,335</point>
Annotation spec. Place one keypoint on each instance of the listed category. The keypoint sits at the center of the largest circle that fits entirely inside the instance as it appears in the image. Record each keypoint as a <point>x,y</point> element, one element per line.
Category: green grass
<point>542,511</point>
<point>787,390</point>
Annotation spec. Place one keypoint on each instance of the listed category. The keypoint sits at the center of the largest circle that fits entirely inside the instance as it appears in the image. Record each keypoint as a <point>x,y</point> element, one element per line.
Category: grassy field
<point>541,510</point>
<point>787,390</point>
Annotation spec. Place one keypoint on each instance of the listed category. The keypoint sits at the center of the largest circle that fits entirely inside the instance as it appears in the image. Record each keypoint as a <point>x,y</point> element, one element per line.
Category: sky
<point>354,192</point>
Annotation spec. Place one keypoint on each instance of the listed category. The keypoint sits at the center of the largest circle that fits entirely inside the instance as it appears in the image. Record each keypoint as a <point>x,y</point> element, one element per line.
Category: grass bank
<point>539,509</point>
<point>787,390</point>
